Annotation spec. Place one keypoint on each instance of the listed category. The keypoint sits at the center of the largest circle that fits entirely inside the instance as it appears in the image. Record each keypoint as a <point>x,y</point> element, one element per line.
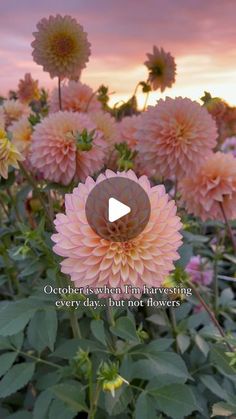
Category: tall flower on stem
<point>28,89</point>
<point>61,47</point>
<point>162,69</point>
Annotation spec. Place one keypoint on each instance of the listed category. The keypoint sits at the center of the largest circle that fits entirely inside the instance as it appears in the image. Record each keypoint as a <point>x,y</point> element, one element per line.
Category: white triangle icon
<point>116,209</point>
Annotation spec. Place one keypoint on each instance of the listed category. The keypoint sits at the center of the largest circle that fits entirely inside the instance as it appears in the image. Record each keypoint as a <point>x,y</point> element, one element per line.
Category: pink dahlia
<point>76,97</point>
<point>198,271</point>
<point>213,186</point>
<point>94,261</point>
<point>175,137</point>
<point>61,46</point>
<point>21,132</point>
<point>13,110</point>
<point>67,146</point>
<point>162,69</point>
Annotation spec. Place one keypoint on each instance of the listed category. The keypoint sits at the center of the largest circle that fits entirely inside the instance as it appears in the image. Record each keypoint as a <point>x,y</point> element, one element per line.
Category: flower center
<point>63,45</point>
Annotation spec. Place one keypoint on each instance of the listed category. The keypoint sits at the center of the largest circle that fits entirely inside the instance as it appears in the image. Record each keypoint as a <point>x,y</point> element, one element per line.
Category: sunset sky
<point>201,34</point>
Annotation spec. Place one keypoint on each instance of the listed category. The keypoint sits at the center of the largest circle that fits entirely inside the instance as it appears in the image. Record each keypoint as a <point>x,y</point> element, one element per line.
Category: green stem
<point>211,315</point>
<point>146,100</point>
<point>174,327</point>
<point>228,226</point>
<point>37,191</point>
<point>94,402</point>
<point>75,325</point>
<point>51,364</point>
<point>59,93</point>
<point>13,282</point>
<point>215,283</point>
<point>13,200</point>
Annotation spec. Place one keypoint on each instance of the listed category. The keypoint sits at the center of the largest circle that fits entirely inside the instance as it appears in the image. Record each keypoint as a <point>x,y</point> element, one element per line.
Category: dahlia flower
<point>213,184</point>
<point>106,124</point>
<point>21,132</point>
<point>28,89</point>
<point>9,155</point>
<point>198,271</point>
<point>61,46</point>
<point>229,146</point>
<point>13,110</point>
<point>94,261</point>
<point>175,137</point>
<point>67,146</point>
<point>76,97</point>
<point>162,69</point>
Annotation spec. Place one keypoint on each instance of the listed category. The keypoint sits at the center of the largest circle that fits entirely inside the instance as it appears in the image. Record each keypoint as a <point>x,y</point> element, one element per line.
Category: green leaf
<point>16,378</point>
<point>58,410</point>
<point>14,316</point>
<point>213,386</point>
<point>175,400</point>
<point>185,252</point>
<point>166,363</point>
<point>125,329</point>
<point>221,362</point>
<point>42,404</point>
<point>118,404</point>
<point>183,342</point>
<point>68,349</point>
<point>6,361</point>
<point>98,331</point>
<point>71,394</point>
<point>202,344</point>
<point>42,330</point>
<point>145,407</point>
<point>223,409</point>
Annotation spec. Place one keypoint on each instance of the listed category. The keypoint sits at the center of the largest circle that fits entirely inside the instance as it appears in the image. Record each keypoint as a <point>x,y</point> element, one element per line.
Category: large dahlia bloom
<point>61,46</point>
<point>76,97</point>
<point>28,89</point>
<point>213,184</point>
<point>94,261</point>
<point>21,132</point>
<point>67,146</point>
<point>175,137</point>
<point>162,69</point>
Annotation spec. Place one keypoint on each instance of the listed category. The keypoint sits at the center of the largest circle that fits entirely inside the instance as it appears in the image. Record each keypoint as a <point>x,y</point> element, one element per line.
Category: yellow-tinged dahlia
<point>175,137</point>
<point>76,97</point>
<point>13,110</point>
<point>61,46</point>
<point>28,89</point>
<point>67,146</point>
<point>92,260</point>
<point>213,184</point>
<point>21,132</point>
<point>162,69</point>
<point>9,155</point>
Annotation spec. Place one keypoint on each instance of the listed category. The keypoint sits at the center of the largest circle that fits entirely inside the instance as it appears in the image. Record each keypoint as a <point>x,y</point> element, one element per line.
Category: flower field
<point>115,321</point>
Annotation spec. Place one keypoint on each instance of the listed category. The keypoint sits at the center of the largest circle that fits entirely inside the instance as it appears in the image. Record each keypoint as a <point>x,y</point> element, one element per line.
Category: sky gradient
<point>200,34</point>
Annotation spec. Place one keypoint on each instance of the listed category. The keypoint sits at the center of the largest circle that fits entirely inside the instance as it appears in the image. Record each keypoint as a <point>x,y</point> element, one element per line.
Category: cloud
<point>200,34</point>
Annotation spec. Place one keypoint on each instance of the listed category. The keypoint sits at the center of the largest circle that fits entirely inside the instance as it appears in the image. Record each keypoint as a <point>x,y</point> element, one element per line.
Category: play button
<point>118,209</point>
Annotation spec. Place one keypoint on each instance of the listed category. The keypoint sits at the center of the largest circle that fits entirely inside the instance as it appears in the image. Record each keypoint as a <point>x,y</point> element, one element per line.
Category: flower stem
<point>75,325</point>
<point>230,232</point>
<point>59,93</point>
<point>211,315</point>
<point>37,191</point>
<point>146,100</point>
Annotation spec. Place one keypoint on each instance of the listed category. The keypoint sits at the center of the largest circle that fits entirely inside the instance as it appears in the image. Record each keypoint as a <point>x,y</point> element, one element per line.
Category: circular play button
<point>118,209</point>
